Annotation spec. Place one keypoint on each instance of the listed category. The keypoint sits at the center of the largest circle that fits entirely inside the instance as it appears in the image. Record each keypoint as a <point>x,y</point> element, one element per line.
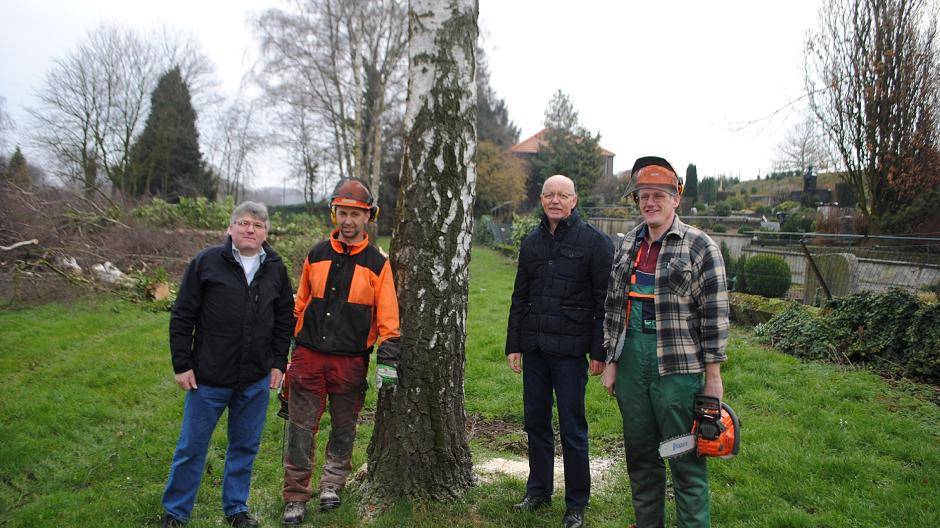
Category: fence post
<point>812,264</point>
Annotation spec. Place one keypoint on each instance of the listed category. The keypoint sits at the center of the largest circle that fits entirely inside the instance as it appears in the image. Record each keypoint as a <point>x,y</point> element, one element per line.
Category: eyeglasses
<point>259,226</point>
<point>561,196</point>
<point>657,197</point>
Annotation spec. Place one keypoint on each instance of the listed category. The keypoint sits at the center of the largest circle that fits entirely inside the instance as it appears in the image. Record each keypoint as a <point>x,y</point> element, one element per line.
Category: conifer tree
<point>166,160</point>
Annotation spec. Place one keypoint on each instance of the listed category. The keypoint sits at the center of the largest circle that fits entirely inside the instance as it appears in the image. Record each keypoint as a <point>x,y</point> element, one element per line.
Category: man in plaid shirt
<point>666,323</point>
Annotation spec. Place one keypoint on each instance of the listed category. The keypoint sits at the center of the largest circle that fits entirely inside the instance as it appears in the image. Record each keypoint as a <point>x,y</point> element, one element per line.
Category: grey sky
<point>672,78</point>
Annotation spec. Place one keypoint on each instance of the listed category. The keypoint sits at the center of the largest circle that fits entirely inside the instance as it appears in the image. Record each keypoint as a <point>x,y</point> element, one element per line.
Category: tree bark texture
<point>419,448</point>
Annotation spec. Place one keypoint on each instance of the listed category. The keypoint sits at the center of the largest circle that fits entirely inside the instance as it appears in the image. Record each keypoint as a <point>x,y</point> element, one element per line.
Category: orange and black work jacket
<point>346,301</point>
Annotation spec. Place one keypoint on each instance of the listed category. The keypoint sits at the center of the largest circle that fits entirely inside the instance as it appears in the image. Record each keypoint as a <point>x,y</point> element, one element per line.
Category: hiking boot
<point>242,520</point>
<point>573,519</point>
<point>532,503</point>
<point>329,499</point>
<point>294,513</point>
<point>169,521</point>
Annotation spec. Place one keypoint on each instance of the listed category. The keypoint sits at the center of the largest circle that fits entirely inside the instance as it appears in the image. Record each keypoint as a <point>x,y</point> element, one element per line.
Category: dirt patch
<point>90,231</point>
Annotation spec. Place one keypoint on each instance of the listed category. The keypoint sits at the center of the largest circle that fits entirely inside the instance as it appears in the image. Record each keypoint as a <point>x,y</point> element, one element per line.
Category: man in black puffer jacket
<point>230,332</point>
<point>556,319</point>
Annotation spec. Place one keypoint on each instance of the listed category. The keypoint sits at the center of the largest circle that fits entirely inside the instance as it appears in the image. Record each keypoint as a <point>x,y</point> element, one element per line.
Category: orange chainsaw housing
<point>728,441</point>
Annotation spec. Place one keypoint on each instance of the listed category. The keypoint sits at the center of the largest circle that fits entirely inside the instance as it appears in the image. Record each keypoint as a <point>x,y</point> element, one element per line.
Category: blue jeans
<point>247,409</point>
<point>567,377</point>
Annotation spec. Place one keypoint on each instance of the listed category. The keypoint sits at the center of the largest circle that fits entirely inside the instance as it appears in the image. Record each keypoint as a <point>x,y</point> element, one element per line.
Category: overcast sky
<point>678,79</point>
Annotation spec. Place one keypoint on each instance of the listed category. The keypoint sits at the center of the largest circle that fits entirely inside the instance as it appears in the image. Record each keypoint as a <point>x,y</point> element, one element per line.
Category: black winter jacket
<point>561,284</point>
<point>229,332</point>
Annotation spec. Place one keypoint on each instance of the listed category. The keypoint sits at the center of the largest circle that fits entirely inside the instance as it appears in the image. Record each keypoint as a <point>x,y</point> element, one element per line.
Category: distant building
<point>529,147</point>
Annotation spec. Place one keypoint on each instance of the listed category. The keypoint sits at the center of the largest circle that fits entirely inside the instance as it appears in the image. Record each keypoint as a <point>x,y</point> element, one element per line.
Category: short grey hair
<point>256,210</point>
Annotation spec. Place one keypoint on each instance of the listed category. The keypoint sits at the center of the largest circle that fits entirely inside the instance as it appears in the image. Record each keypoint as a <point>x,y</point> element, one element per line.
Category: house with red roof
<point>529,147</point>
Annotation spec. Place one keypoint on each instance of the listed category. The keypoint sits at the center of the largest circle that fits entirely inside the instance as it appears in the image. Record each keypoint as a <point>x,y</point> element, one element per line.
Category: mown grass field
<point>89,416</point>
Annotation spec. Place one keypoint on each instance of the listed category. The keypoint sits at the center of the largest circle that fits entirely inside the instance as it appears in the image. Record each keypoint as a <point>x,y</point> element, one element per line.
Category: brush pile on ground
<point>896,332</point>
<point>55,244</point>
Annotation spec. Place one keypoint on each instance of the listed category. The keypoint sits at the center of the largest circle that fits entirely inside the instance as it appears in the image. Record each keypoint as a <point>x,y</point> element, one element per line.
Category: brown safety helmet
<point>353,192</point>
<point>656,173</point>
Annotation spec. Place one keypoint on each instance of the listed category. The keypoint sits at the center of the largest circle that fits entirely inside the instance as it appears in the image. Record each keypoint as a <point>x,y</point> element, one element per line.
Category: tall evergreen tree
<point>560,114</point>
<point>166,160</point>
<point>17,171</point>
<point>691,185</point>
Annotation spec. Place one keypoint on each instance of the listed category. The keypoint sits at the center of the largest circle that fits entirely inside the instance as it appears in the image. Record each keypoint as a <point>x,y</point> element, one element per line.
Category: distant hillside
<point>763,186</point>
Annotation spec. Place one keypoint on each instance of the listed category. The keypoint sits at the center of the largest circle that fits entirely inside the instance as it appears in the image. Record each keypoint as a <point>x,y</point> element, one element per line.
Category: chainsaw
<point>716,431</point>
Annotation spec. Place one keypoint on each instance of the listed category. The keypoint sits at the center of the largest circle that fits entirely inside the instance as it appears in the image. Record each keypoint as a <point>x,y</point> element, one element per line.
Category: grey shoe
<point>294,513</point>
<point>329,499</point>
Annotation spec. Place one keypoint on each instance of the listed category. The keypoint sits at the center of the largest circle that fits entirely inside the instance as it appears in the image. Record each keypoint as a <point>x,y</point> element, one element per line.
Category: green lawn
<point>89,417</point>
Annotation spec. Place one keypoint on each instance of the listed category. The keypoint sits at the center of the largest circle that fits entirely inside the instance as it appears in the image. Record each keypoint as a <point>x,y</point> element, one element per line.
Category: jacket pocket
<point>679,275</point>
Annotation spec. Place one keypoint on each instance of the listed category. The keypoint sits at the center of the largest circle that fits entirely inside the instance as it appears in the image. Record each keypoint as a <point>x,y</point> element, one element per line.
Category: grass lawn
<point>89,417</point>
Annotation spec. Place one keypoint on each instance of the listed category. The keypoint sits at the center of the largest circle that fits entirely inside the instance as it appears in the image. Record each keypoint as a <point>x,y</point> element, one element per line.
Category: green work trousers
<point>655,408</point>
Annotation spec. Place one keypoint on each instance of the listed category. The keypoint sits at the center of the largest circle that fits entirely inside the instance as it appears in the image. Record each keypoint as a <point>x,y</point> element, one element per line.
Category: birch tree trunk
<point>419,448</point>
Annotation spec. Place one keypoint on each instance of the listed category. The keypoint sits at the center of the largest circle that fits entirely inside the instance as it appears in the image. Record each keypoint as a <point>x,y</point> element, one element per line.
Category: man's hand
<point>713,386</point>
<point>515,362</point>
<point>276,378</point>
<point>609,378</point>
<point>186,380</point>
<point>596,367</point>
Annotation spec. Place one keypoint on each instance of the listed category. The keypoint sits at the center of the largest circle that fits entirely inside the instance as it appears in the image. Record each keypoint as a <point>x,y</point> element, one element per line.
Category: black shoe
<point>532,503</point>
<point>573,519</point>
<point>169,521</point>
<point>242,520</point>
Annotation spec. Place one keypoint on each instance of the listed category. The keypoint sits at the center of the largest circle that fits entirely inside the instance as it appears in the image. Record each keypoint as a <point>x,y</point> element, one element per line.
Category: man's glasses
<point>259,226</point>
<point>561,196</point>
<point>658,197</point>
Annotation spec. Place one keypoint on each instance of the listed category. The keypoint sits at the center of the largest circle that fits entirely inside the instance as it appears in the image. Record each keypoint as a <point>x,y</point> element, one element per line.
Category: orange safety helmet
<point>353,192</point>
<point>655,172</point>
<point>717,428</point>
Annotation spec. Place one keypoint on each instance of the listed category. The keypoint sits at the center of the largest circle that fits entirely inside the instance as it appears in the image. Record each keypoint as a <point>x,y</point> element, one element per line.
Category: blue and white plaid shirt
<point>691,300</point>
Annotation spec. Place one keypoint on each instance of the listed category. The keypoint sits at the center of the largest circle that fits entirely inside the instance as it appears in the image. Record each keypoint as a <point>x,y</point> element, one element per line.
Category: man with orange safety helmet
<point>345,304</point>
<point>666,323</point>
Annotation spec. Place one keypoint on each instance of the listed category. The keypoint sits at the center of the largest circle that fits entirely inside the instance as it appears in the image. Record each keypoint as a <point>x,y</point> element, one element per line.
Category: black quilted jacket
<point>561,284</point>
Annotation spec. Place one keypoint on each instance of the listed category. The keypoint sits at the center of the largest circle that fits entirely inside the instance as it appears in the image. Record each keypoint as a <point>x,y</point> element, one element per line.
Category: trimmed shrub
<point>767,275</point>
<point>719,228</point>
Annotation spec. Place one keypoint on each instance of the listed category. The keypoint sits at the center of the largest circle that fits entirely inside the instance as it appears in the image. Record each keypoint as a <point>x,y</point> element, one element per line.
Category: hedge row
<point>894,332</point>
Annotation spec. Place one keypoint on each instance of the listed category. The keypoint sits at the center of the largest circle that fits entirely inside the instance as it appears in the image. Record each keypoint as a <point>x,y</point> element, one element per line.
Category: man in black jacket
<point>230,331</point>
<point>556,319</point>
